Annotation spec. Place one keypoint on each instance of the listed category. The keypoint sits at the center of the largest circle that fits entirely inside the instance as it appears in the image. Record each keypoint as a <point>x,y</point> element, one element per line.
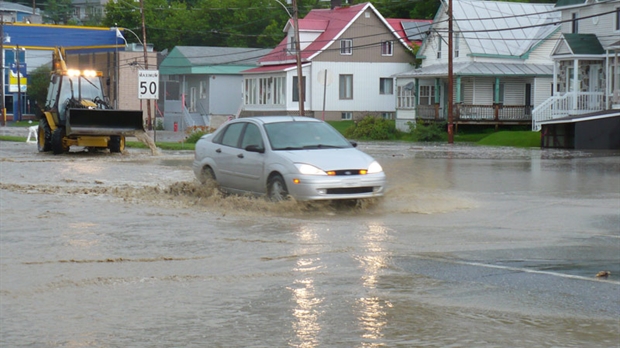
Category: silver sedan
<point>278,156</point>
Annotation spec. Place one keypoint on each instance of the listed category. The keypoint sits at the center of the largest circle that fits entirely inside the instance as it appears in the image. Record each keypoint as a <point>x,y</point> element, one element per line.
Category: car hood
<point>329,159</point>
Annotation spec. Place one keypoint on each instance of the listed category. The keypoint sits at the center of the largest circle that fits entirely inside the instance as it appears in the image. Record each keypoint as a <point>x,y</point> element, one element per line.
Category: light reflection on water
<point>374,259</point>
<point>306,311</point>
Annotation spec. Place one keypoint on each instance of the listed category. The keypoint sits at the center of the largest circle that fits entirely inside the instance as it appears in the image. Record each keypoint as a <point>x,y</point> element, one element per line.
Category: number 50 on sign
<point>148,84</point>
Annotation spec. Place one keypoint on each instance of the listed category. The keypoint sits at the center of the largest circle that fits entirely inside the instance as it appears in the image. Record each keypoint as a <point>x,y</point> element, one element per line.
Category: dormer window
<point>346,46</point>
<point>574,23</point>
<point>387,48</point>
<point>292,45</point>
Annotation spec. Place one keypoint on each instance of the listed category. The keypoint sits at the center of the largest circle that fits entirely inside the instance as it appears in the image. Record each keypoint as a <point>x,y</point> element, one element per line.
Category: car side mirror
<point>255,148</point>
<point>353,143</point>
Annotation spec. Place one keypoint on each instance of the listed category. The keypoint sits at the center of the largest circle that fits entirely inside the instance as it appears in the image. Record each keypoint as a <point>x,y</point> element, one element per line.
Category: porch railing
<point>567,104</point>
<point>471,113</point>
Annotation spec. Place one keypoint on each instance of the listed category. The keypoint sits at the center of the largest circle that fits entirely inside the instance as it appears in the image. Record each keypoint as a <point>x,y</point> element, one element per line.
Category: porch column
<point>437,103</point>
<point>575,82</point>
<point>496,91</point>
<point>607,94</point>
<point>614,85</point>
<point>458,89</point>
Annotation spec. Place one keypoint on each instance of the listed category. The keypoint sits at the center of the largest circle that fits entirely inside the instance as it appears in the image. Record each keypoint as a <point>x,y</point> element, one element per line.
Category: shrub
<point>196,132</point>
<point>159,124</point>
<point>428,132</point>
<point>372,128</point>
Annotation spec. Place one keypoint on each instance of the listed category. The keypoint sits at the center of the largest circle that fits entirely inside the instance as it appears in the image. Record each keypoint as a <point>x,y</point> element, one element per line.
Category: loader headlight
<point>89,73</point>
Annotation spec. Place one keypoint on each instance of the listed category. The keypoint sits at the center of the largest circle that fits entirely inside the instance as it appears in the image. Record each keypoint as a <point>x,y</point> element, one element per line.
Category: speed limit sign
<point>148,84</point>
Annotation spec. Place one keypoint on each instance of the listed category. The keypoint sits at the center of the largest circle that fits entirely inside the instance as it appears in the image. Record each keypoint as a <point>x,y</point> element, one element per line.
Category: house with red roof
<point>349,55</point>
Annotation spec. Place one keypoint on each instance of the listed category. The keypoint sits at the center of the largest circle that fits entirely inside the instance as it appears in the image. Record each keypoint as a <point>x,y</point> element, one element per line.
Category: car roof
<point>275,119</point>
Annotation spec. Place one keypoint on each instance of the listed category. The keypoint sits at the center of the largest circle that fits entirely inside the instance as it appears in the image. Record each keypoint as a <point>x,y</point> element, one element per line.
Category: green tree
<point>38,82</point>
<point>59,11</point>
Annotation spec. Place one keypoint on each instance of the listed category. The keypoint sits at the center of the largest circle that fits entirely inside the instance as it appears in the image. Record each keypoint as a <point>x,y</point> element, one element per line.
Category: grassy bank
<point>517,137</point>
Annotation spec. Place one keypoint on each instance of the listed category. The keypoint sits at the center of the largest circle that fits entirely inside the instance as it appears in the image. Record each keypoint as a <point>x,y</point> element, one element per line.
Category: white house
<point>349,56</point>
<point>586,63</point>
<point>501,65</point>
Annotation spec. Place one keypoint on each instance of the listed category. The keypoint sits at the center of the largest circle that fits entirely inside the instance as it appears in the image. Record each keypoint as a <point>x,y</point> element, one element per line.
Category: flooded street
<point>470,247</point>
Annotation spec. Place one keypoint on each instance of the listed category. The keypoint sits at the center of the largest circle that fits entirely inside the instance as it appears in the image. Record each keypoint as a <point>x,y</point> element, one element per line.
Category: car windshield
<point>304,135</point>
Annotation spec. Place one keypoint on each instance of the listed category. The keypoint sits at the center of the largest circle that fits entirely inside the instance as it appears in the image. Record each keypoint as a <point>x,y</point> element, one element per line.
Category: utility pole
<point>146,65</point>
<point>300,77</point>
<point>19,87</point>
<point>2,68</point>
<point>450,78</point>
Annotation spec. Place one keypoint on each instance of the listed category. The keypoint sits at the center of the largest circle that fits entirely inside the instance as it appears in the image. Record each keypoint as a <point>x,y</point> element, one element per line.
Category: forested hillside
<point>233,23</point>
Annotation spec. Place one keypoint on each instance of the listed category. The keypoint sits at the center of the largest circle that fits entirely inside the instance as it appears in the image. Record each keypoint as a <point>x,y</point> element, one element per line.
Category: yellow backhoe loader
<point>76,113</point>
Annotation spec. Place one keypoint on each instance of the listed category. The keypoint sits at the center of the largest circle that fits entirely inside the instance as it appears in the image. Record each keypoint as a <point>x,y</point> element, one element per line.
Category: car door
<point>225,156</point>
<point>249,165</point>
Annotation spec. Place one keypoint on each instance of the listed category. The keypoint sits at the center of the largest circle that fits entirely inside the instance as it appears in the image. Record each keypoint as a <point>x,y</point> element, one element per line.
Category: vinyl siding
<point>541,90</point>
<point>603,25</point>
<point>367,35</point>
<point>366,76</point>
<point>225,95</point>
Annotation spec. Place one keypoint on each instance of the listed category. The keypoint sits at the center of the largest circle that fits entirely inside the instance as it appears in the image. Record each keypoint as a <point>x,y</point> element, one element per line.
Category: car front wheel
<point>276,189</point>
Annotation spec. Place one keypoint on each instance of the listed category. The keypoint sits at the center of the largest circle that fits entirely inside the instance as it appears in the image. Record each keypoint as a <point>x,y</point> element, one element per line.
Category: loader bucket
<point>103,122</point>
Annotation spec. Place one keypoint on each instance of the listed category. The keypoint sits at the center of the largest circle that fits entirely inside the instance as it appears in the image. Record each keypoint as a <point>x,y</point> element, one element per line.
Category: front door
<point>528,98</point>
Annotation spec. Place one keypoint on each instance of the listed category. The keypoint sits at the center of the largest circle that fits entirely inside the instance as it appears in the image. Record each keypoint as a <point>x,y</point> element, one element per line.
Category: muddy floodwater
<point>470,247</point>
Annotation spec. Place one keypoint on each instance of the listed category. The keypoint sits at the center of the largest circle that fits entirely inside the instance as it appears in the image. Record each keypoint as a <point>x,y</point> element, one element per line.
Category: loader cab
<point>74,89</point>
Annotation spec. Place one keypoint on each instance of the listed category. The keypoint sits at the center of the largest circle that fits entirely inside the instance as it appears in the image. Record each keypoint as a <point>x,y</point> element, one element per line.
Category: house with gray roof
<point>586,61</point>
<point>204,84</point>
<point>501,65</point>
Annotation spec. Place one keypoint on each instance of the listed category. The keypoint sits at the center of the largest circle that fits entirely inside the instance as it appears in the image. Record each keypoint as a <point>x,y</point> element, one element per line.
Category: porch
<point>568,104</point>
<point>472,114</point>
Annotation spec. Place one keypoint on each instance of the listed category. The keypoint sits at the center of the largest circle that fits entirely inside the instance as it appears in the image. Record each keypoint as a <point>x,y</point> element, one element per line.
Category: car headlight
<point>374,167</point>
<point>308,169</point>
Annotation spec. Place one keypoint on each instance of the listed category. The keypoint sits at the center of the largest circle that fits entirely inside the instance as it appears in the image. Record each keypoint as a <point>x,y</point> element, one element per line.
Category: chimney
<point>336,3</point>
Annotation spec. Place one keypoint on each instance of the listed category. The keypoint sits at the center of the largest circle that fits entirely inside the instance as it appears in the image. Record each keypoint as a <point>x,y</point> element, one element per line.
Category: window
<point>387,48</point>
<point>296,86</point>
<point>203,89</point>
<point>427,95</point>
<point>405,99</point>
<point>386,86</point>
<point>346,86</point>
<point>264,90</point>
<point>387,115</point>
<point>346,46</point>
<point>438,46</point>
<point>292,47</point>
<point>574,23</point>
<point>456,45</point>
<point>231,135</point>
<point>346,116</point>
<point>250,91</point>
<point>278,93</point>
<point>192,99</point>
<point>618,19</point>
<point>252,136</point>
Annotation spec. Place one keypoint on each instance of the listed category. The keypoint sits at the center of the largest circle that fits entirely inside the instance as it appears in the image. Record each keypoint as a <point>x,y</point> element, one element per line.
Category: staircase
<point>567,104</point>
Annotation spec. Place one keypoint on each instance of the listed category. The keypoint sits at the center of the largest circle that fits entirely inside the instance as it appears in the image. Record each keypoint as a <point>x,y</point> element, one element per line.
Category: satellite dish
<point>325,77</point>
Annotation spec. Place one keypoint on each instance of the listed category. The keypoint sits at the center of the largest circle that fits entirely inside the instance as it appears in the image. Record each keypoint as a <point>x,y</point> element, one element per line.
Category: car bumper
<point>312,187</point>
